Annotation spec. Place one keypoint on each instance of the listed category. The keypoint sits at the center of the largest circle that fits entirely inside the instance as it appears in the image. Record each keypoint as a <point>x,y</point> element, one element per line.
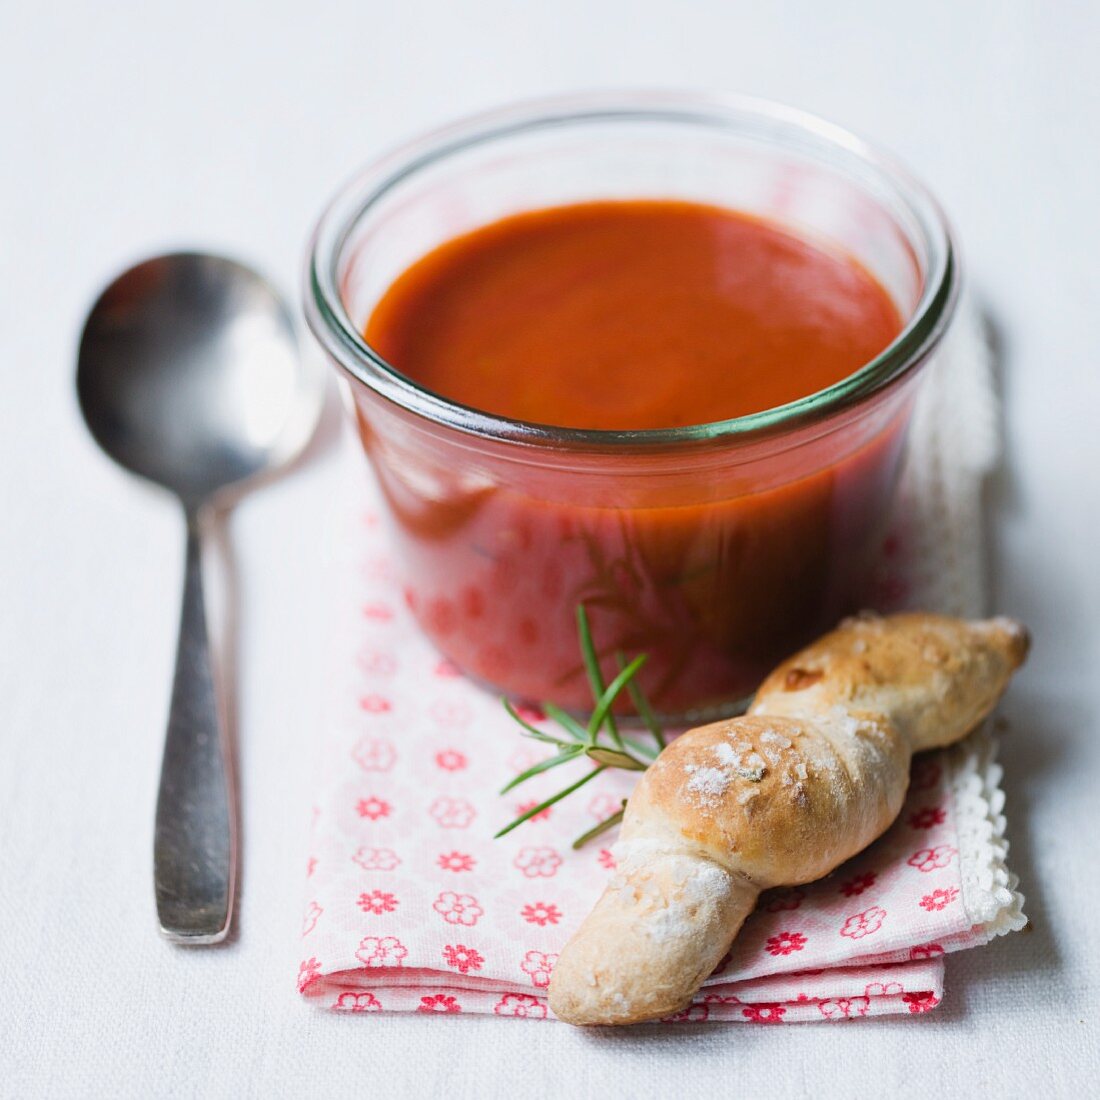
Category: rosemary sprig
<point>641,705</point>
<point>602,712</point>
<point>607,823</point>
<point>585,740</point>
<point>550,801</point>
<point>595,677</point>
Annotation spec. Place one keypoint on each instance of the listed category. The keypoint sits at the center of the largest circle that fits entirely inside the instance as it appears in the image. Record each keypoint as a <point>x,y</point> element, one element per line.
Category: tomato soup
<point>631,315</point>
<point>625,316</point>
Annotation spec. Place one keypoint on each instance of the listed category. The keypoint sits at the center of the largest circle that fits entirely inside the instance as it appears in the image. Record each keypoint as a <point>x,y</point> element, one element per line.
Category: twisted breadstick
<point>815,771</point>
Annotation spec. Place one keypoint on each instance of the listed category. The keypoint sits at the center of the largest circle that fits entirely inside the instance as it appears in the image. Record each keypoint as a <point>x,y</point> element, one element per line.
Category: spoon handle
<point>194,851</point>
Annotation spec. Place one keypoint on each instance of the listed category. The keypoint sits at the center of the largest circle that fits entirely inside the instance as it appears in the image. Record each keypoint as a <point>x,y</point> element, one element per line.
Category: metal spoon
<point>189,375</point>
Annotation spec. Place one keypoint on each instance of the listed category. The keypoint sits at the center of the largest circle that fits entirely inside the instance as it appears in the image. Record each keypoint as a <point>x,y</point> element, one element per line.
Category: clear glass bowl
<point>717,548</point>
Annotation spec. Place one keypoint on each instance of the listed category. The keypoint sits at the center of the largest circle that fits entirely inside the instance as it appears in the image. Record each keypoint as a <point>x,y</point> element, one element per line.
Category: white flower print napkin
<point>413,907</point>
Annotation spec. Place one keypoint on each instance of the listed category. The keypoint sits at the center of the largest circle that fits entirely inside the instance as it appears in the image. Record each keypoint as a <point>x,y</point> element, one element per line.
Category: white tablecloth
<point>127,128</point>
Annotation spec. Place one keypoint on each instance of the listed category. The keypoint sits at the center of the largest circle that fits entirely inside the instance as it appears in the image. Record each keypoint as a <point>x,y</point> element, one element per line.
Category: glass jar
<point>717,549</point>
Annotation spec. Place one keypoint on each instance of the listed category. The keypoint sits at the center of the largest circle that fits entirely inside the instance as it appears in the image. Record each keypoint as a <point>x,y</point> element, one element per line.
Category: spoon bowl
<point>188,375</point>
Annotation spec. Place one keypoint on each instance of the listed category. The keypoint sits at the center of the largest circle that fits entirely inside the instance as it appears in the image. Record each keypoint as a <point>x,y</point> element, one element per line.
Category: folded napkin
<point>413,907</point>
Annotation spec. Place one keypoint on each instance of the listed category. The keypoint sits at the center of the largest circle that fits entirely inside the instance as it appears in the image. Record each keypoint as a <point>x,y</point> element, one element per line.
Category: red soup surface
<point>633,315</point>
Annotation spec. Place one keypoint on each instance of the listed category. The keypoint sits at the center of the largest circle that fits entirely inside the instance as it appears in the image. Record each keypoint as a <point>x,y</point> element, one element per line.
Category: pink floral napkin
<point>413,907</point>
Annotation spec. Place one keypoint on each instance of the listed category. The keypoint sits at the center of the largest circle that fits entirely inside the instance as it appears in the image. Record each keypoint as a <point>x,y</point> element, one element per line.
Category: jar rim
<point>331,324</point>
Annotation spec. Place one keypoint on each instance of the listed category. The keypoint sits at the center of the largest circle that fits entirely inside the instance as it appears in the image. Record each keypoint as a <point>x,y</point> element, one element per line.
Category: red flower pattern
<point>928,818</point>
<point>378,951</point>
<point>921,1002</point>
<point>373,808</point>
<point>456,861</point>
<point>452,813</point>
<point>541,913</point>
<point>863,924</point>
<point>378,612</point>
<point>450,760</point>
<point>376,859</point>
<point>845,1008</point>
<point>939,899</point>
<point>375,704</point>
<point>440,1002</point>
<point>458,908</point>
<point>377,902</point>
<point>607,860</point>
<point>925,951</point>
<point>357,1002</point>
<point>538,966</point>
<point>931,859</point>
<point>882,989</point>
<point>855,886</point>
<point>537,862</point>
<point>462,958</point>
<point>785,943</point>
<point>522,1005</point>
<point>373,754</point>
<point>308,973</point>
<point>764,1013</point>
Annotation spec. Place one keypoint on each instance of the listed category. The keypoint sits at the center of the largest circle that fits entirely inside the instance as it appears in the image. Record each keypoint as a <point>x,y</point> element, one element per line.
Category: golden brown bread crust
<point>937,677</point>
<point>776,819</point>
<point>814,772</point>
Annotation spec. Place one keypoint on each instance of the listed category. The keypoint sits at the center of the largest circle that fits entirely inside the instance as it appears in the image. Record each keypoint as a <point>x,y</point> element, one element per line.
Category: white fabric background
<point>126,128</point>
